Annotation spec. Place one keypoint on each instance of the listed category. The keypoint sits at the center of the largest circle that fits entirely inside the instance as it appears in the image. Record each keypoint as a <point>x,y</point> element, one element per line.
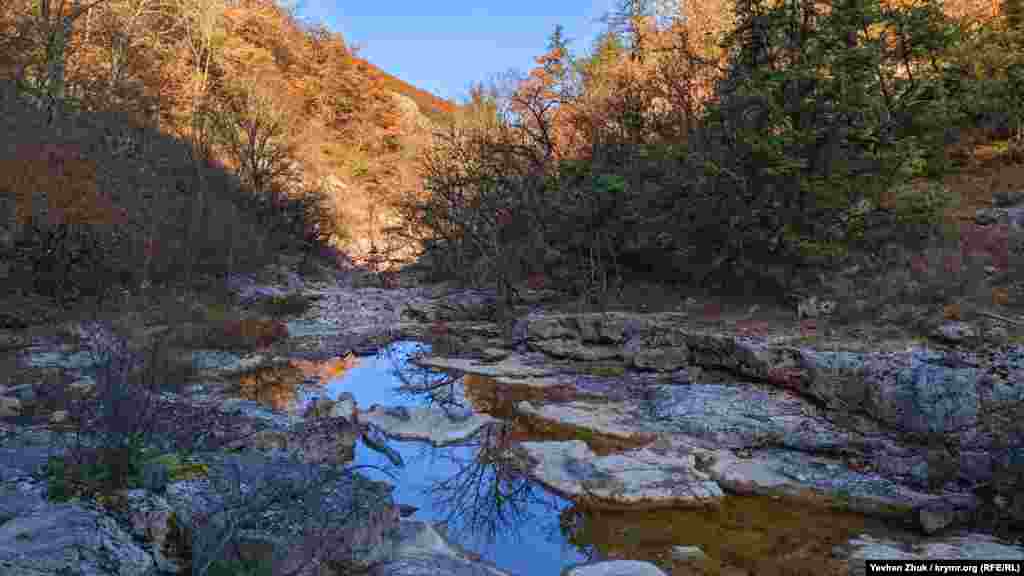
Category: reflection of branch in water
<point>488,496</point>
<point>439,388</point>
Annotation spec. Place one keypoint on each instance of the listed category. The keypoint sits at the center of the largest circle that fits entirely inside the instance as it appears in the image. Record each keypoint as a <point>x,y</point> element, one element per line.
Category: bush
<point>247,333</point>
<point>126,433</point>
<point>102,201</point>
<point>287,305</point>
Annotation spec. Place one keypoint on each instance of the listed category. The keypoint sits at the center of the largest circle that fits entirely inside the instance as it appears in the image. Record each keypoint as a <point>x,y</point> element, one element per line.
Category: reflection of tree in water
<point>436,388</point>
<point>488,496</point>
<point>274,386</point>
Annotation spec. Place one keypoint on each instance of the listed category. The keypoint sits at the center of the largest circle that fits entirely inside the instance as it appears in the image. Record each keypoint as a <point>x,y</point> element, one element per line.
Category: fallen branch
<point>1001,318</point>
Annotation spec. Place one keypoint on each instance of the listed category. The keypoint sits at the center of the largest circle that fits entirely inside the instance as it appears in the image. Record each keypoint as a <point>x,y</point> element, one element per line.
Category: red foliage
<point>808,327</point>
<point>752,327</point>
<point>712,310</point>
<point>993,241</point>
<point>439,328</point>
<point>536,281</point>
<point>786,377</point>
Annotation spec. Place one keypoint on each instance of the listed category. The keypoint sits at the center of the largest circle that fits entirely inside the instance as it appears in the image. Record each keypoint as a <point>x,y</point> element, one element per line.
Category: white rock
<point>420,550</point>
<point>687,553</point>
<point>616,568</point>
<point>635,478</point>
<point>510,367</point>
<point>9,407</point>
<point>610,419</point>
<point>429,423</point>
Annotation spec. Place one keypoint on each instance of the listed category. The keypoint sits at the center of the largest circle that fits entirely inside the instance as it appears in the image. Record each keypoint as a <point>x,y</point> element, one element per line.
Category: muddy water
<point>491,509</point>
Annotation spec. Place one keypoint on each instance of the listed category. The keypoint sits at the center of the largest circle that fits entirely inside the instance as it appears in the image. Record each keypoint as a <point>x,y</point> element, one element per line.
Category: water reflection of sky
<point>502,516</point>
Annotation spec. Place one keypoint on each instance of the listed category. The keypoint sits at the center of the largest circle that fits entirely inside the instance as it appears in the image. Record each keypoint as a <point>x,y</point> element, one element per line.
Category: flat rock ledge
<point>616,568</point>
<point>811,479</point>
<point>609,419</point>
<point>512,367</point>
<point>426,423</point>
<point>639,478</point>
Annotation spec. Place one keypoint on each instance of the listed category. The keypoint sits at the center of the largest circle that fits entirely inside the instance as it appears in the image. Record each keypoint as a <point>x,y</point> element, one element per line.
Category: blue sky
<point>444,46</point>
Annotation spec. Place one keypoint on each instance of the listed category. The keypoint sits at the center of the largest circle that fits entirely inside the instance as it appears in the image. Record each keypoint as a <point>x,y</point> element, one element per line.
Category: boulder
<point>357,514</point>
<point>69,539</point>
<point>342,407</point>
<point>955,332</point>
<point>10,340</point>
<point>150,519</point>
<point>9,407</point>
<point>1007,198</point>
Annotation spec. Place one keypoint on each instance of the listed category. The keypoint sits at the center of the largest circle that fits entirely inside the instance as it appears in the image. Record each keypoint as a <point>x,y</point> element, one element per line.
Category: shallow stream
<point>491,509</point>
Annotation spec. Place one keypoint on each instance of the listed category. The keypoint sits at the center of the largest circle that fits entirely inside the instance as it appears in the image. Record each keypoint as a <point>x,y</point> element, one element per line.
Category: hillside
<point>430,105</point>
<point>284,105</point>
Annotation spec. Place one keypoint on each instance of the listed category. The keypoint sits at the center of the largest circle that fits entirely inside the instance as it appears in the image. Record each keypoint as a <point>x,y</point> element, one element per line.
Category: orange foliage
<point>65,178</point>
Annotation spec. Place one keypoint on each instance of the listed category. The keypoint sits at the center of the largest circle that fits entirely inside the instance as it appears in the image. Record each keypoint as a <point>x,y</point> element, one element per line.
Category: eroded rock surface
<point>631,479</point>
<point>433,424</point>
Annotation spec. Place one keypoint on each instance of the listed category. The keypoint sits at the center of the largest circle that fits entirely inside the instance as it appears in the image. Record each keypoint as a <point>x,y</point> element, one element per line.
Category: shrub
<point>288,305</point>
<point>247,333</point>
<point>124,429</point>
<point>66,221</point>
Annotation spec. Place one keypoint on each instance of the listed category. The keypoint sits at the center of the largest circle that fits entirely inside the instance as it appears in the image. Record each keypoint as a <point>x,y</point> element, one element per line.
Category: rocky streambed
<point>640,442</point>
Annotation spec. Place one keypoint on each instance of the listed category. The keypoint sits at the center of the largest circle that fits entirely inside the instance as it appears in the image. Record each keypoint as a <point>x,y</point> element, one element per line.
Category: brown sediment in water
<point>744,535</point>
<point>499,399</point>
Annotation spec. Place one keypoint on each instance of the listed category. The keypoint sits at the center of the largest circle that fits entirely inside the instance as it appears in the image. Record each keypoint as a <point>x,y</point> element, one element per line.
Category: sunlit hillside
<point>333,120</point>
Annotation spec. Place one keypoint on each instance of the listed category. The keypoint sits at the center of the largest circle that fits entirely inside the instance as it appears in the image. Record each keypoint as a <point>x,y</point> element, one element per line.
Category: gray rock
<point>9,407</point>
<point>936,516</point>
<point>421,550</point>
<point>68,538</point>
<point>149,519</point>
<point>430,423</point>
<point>357,513</point>
<point>633,479</point>
<point>616,568</point>
<point>12,341</point>
<point>576,350</point>
<point>988,216</point>
<point>1007,198</point>
<point>956,332</point>
<point>687,553</point>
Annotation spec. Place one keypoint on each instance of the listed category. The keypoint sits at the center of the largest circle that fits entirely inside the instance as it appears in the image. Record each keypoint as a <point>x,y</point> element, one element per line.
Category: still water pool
<point>491,509</point>
<point>487,508</point>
